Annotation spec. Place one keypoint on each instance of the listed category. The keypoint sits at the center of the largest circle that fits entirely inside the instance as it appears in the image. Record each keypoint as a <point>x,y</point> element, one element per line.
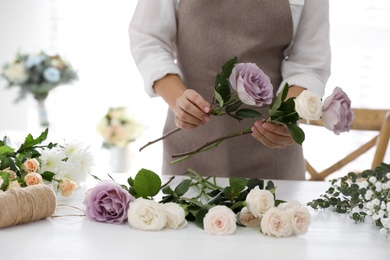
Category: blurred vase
<point>120,159</point>
<point>42,112</point>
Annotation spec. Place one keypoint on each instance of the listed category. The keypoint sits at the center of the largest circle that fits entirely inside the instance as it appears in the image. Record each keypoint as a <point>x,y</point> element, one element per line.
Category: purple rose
<point>337,114</point>
<point>253,86</point>
<point>107,202</point>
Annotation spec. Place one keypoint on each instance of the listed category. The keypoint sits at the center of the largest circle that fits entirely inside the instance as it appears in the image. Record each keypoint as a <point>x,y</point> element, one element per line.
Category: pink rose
<point>246,218</point>
<point>67,187</point>
<point>300,219</point>
<point>253,86</point>
<point>337,114</point>
<point>107,202</point>
<point>31,165</point>
<point>276,222</point>
<point>220,220</point>
<point>33,178</point>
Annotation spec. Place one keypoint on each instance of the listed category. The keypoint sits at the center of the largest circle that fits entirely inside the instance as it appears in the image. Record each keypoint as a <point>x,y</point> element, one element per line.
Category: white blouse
<point>307,61</point>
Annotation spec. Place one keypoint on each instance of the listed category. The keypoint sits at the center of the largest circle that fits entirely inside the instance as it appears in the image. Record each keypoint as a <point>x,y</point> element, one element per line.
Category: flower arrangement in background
<point>38,74</point>
<point>118,128</point>
<point>246,83</point>
<point>62,166</point>
<point>361,195</point>
<point>218,210</point>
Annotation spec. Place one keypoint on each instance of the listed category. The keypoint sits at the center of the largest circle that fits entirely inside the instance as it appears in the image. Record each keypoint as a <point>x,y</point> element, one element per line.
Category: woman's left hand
<point>272,135</point>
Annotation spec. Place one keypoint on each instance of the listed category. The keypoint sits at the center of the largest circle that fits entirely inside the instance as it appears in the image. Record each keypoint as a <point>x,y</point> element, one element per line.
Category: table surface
<point>331,236</point>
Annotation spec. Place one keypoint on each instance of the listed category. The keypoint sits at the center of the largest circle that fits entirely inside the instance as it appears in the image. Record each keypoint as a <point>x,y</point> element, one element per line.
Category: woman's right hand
<point>191,110</point>
<point>189,107</point>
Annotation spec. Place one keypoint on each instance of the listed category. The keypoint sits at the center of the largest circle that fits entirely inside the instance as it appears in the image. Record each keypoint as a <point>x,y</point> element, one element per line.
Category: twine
<point>26,205</point>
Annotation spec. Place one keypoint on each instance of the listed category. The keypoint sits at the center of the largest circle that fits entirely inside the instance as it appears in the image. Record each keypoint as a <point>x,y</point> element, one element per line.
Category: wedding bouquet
<point>62,166</point>
<point>218,210</point>
<point>246,83</point>
<point>361,195</point>
<point>38,73</point>
<point>118,128</point>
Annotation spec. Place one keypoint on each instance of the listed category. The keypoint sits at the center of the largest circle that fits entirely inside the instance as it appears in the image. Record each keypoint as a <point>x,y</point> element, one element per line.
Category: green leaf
<point>183,187</point>
<point>147,183</point>
<point>30,142</point>
<point>218,98</point>
<point>48,175</point>
<point>255,182</point>
<point>247,113</point>
<point>228,67</point>
<point>233,107</point>
<point>200,216</point>
<point>297,133</point>
<point>130,181</point>
<point>237,185</point>
<point>6,150</point>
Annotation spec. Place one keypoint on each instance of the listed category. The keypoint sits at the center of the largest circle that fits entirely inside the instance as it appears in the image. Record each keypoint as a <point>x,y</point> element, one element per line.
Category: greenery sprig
<point>206,192</point>
<point>360,195</point>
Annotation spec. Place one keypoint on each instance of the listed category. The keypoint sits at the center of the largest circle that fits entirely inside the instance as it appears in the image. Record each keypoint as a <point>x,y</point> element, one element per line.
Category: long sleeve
<point>152,34</point>
<point>309,57</point>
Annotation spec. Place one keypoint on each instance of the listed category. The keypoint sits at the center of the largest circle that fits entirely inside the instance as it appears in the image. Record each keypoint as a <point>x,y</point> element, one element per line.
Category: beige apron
<point>209,34</point>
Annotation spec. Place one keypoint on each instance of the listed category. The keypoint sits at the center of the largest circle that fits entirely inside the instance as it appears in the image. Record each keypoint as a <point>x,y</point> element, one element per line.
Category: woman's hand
<point>191,110</point>
<point>189,107</point>
<point>272,135</point>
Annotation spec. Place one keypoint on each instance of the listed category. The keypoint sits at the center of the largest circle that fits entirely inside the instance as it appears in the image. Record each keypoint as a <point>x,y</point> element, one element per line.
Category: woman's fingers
<point>271,135</point>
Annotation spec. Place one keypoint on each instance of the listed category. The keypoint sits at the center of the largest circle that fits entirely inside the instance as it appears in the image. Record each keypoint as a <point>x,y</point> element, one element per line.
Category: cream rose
<point>276,222</point>
<point>31,165</point>
<point>33,178</point>
<point>175,215</point>
<point>67,187</point>
<point>308,105</point>
<point>300,219</point>
<point>259,201</point>
<point>16,73</point>
<point>146,214</point>
<point>220,220</point>
<point>12,174</point>
<point>246,218</point>
<point>13,185</point>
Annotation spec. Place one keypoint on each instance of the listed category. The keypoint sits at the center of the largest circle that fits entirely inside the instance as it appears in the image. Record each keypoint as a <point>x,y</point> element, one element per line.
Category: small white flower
<point>378,186</point>
<point>368,194</point>
<point>384,231</point>
<point>376,202</point>
<point>388,175</point>
<point>383,205</point>
<point>369,213</point>
<point>369,205</point>
<point>372,179</point>
<point>364,184</point>
<point>375,217</point>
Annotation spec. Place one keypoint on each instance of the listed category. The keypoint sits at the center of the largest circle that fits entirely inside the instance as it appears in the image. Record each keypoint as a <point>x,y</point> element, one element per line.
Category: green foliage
<point>360,195</point>
<point>13,159</point>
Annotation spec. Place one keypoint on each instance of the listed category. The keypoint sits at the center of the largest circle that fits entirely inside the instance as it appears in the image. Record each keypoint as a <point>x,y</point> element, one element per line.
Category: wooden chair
<point>364,119</point>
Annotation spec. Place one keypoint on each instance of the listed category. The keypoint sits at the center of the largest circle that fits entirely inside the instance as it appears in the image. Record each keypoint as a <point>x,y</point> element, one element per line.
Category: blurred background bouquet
<point>119,128</point>
<point>38,74</point>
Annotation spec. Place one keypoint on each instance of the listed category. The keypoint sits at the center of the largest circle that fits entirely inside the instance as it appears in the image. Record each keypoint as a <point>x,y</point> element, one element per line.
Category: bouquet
<point>246,83</point>
<point>362,195</point>
<point>62,166</point>
<point>118,128</point>
<point>37,74</point>
<point>218,210</point>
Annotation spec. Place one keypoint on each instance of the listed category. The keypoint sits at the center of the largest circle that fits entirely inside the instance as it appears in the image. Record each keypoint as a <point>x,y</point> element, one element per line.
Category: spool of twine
<point>26,205</point>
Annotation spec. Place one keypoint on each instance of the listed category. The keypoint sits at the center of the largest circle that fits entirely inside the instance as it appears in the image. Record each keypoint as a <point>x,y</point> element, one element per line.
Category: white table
<point>331,236</point>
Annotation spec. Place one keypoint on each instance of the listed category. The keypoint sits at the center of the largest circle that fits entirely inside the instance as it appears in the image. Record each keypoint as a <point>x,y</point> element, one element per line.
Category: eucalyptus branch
<point>161,138</point>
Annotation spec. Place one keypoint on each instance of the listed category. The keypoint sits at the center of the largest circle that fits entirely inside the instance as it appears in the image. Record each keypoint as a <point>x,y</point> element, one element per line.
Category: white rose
<point>289,205</point>
<point>308,105</point>
<point>300,219</point>
<point>175,215</point>
<point>246,218</point>
<point>259,201</point>
<point>16,73</point>
<point>146,214</point>
<point>220,220</point>
<point>13,185</point>
<point>276,222</point>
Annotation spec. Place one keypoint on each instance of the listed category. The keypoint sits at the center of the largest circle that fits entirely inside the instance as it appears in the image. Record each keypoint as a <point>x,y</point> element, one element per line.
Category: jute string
<point>25,205</point>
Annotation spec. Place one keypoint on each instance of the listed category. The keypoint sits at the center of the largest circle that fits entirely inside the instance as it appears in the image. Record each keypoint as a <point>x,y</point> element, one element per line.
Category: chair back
<point>377,120</point>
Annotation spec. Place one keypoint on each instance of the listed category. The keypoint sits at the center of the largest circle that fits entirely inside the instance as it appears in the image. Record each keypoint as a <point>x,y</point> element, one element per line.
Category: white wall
<point>24,25</point>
